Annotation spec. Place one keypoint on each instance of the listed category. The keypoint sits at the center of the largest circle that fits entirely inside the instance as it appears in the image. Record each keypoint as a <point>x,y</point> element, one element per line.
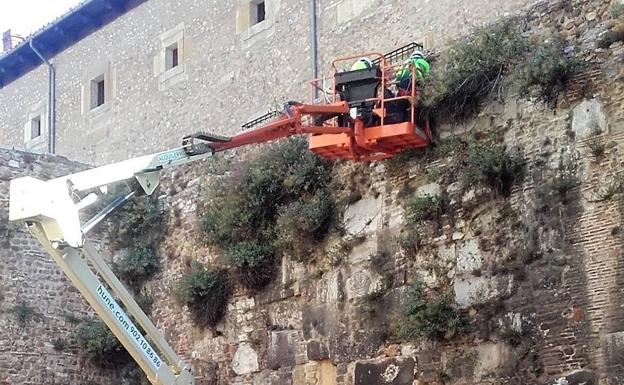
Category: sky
<point>26,16</point>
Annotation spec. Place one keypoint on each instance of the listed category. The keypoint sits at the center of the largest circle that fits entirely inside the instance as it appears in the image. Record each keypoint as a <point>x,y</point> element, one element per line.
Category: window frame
<point>37,113</point>
<point>172,46</point>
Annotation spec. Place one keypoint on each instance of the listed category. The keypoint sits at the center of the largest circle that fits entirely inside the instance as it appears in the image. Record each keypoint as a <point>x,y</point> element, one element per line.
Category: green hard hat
<point>362,64</point>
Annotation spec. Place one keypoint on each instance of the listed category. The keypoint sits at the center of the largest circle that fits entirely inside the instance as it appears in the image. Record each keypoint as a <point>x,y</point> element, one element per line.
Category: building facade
<point>160,70</point>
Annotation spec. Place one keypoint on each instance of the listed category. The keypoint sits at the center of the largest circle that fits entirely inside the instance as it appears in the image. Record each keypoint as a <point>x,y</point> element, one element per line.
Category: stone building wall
<point>29,277</point>
<point>229,73</point>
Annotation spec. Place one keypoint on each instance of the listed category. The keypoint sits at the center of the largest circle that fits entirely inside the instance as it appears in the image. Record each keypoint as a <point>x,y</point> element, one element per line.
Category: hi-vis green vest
<point>422,70</point>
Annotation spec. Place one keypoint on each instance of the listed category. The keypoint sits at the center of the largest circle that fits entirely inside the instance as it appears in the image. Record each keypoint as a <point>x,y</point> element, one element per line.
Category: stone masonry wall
<point>314,325</point>
<point>231,73</point>
<point>30,277</point>
<point>552,317</point>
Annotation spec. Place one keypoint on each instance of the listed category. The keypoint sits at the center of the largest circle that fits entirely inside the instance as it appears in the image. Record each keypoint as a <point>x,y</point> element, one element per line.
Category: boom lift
<point>352,123</point>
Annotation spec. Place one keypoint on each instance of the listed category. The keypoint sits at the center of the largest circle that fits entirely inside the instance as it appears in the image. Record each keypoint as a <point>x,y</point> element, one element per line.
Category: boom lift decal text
<point>126,324</point>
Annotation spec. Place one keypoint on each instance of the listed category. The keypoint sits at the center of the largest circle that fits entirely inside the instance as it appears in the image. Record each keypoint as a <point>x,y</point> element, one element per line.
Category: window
<point>171,56</point>
<point>255,20</point>
<point>258,12</point>
<point>170,60</point>
<point>98,92</point>
<point>35,127</point>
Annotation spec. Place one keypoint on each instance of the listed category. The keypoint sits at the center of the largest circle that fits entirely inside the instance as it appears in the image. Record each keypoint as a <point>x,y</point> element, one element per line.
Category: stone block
<point>392,371</point>
<point>493,360</point>
<point>447,253</point>
<point>470,291</point>
<point>362,283</point>
<point>364,216</point>
<point>614,343</point>
<point>245,359</point>
<point>5,174</point>
<point>580,377</point>
<point>281,351</point>
<point>327,373</point>
<point>588,118</point>
<point>329,288</point>
<point>363,251</point>
<point>317,351</point>
<point>469,257</point>
<point>480,363</point>
<point>431,189</point>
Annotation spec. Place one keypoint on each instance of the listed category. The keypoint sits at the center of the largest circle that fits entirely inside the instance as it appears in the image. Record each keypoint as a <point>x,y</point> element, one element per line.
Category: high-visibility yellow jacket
<point>405,72</point>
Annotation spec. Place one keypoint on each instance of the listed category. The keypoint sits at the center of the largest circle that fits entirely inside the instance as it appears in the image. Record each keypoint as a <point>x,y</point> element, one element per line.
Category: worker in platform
<point>404,75</point>
<point>399,110</point>
<point>362,64</point>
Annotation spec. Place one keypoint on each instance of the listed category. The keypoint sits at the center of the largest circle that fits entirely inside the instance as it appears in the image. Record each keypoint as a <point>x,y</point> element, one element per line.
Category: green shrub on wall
<point>480,68</point>
<point>255,263</point>
<point>137,230</point>
<point>432,317</point>
<point>301,224</point>
<point>492,164</point>
<point>471,71</point>
<point>100,345</point>
<point>425,208</point>
<point>546,73</point>
<point>249,214</point>
<point>24,314</point>
<point>140,222</point>
<point>206,292</point>
<point>137,265</point>
<point>246,203</point>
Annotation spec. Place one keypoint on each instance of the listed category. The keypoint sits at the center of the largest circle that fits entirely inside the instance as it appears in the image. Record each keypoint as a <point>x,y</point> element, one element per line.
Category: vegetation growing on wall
<point>271,204</point>
<point>617,10</point>
<point>302,224</point>
<point>24,313</point>
<point>493,165</point>
<point>137,231</point>
<point>254,263</point>
<point>482,161</point>
<point>474,70</point>
<point>140,223</point>
<point>471,71</point>
<point>205,291</point>
<point>596,146</point>
<point>546,73</point>
<point>424,208</point>
<point>59,344</point>
<point>103,349</point>
<point>431,316</point>
<point>137,265</point>
<point>100,345</point>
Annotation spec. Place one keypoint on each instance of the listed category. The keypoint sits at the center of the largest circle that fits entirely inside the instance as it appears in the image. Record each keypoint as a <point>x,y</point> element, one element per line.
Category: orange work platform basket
<point>390,139</point>
<point>382,119</point>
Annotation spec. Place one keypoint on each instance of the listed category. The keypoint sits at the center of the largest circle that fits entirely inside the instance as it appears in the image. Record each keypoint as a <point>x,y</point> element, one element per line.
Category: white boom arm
<point>51,211</point>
